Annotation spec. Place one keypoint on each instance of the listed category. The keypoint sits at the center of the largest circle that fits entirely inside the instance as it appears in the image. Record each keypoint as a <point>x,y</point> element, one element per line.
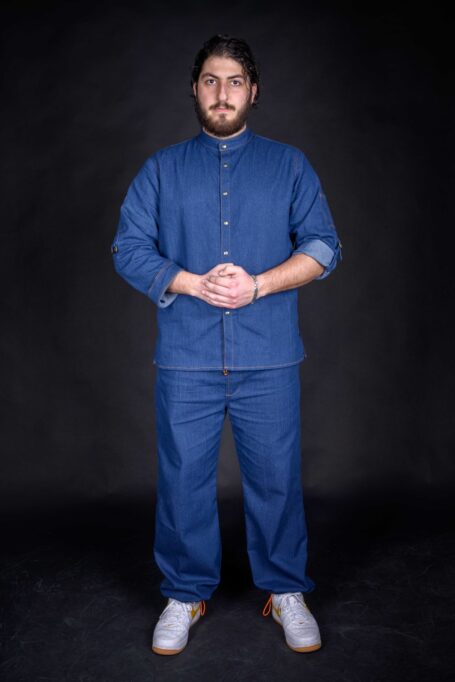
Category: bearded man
<point>220,231</point>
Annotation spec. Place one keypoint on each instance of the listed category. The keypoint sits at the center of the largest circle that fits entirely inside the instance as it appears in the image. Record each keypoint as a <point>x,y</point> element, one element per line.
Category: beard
<point>221,126</point>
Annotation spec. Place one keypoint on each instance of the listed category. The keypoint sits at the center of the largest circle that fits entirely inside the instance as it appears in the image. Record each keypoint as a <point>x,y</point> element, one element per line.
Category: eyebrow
<point>237,75</point>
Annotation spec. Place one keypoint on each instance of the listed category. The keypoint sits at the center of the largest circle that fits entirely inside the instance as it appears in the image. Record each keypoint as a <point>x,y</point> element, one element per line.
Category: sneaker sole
<point>166,652</point>
<point>304,649</point>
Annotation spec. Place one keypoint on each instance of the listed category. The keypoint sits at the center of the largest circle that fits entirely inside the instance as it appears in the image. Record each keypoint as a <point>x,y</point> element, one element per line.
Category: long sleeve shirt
<point>247,200</point>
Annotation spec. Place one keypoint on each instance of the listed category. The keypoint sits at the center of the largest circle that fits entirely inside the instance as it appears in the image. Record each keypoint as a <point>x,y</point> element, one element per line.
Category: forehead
<point>222,66</point>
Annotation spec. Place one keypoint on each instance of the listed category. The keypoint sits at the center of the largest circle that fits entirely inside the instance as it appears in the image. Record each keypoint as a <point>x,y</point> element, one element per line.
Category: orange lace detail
<point>202,607</point>
<point>268,607</point>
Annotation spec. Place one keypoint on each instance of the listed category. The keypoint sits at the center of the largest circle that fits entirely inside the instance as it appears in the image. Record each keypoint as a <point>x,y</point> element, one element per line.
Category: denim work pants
<point>264,411</point>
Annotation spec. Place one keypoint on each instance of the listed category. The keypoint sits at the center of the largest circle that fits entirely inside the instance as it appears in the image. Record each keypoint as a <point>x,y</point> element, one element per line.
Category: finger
<point>231,269</point>
<point>220,267</point>
<point>217,298</point>
<point>217,285</point>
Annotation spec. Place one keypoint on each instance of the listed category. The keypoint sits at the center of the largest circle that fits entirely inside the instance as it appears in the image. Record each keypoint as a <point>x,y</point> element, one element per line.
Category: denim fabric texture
<point>248,200</point>
<point>264,411</point>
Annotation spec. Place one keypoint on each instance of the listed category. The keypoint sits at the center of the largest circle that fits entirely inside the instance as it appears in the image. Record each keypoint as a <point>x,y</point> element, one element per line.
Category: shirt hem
<point>230,368</point>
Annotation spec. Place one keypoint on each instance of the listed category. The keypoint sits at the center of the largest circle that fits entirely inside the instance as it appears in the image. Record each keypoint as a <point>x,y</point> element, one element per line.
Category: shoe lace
<point>267,606</point>
<point>294,615</point>
<point>176,611</point>
<point>286,607</point>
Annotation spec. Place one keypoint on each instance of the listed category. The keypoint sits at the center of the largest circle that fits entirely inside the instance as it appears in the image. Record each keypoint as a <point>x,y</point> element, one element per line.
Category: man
<point>219,231</point>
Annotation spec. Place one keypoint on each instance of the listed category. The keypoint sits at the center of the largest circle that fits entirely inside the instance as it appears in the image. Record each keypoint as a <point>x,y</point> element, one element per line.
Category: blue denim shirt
<point>248,200</point>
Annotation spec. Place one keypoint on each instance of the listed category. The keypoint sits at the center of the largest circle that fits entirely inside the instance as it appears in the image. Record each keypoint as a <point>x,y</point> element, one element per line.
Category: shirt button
<point>225,253</point>
<point>226,222</point>
<point>225,165</point>
<point>114,249</point>
<point>225,194</point>
<point>224,146</point>
<point>227,312</point>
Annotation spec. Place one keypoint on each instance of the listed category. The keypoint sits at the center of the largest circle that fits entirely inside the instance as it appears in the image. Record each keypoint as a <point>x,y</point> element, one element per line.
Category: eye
<point>209,81</point>
<point>236,82</point>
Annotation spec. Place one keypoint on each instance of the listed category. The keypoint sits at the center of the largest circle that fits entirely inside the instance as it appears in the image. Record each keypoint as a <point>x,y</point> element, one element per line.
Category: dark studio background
<point>89,90</point>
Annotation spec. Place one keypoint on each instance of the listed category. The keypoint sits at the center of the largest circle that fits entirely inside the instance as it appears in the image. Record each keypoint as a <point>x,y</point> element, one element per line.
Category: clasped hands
<point>227,286</point>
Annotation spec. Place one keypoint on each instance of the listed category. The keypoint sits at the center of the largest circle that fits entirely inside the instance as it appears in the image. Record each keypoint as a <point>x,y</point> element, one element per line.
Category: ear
<point>195,89</point>
<point>254,89</point>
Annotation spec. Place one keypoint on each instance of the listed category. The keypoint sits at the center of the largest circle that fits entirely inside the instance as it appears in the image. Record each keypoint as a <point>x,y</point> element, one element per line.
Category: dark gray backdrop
<point>89,91</point>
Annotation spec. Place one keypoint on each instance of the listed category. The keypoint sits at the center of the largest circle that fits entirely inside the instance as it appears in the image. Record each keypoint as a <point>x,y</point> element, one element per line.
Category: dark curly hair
<point>222,45</point>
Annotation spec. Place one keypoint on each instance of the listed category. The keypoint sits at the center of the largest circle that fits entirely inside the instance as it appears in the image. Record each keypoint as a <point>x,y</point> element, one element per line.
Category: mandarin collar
<point>225,144</point>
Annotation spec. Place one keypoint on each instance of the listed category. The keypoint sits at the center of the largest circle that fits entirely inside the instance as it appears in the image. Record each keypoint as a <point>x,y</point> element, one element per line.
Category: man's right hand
<point>199,288</point>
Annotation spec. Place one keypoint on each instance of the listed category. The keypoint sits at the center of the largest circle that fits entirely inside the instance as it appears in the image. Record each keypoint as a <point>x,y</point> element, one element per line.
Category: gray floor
<point>80,596</point>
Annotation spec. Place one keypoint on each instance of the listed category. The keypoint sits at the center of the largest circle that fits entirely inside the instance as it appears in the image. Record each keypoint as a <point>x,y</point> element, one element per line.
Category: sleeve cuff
<point>318,250</point>
<point>157,291</point>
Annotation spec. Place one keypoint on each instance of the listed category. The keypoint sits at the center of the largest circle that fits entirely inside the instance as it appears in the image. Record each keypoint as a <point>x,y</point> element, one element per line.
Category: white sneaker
<point>171,632</point>
<point>300,628</point>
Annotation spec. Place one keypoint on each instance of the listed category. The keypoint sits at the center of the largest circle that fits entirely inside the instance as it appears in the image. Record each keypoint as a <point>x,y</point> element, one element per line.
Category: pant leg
<point>264,410</point>
<point>190,412</point>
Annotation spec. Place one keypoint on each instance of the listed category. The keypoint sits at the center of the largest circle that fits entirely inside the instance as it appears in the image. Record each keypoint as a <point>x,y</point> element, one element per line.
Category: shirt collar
<point>225,144</point>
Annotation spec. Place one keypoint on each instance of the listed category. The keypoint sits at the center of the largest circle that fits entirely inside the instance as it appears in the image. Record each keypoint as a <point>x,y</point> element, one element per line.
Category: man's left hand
<point>232,287</point>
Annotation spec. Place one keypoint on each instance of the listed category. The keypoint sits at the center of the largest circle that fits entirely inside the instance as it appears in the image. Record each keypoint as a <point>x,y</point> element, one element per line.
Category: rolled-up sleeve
<point>135,246</point>
<point>311,223</point>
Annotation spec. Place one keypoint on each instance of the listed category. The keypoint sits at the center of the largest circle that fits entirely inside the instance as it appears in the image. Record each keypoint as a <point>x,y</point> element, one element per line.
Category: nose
<point>222,92</point>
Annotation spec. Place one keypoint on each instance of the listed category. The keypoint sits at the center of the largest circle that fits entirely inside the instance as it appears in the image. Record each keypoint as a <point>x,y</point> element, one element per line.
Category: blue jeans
<point>264,411</point>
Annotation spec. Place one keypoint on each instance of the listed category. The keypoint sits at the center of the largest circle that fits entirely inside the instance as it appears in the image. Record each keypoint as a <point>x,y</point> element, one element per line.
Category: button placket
<point>226,256</point>
<point>228,334</point>
<point>225,208</point>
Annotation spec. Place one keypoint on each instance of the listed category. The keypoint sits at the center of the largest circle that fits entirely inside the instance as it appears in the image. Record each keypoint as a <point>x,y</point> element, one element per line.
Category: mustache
<point>219,104</point>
